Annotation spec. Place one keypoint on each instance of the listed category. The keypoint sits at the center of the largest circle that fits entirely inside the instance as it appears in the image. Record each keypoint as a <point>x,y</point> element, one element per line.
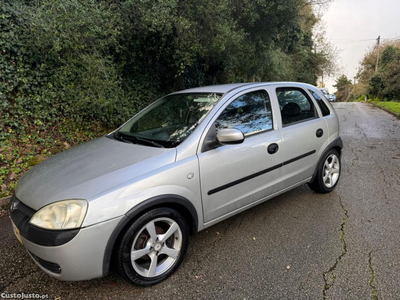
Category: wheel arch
<point>179,203</point>
<point>337,144</point>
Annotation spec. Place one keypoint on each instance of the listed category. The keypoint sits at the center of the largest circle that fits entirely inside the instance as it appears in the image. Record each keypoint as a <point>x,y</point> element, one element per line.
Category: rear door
<point>304,133</point>
<point>236,176</point>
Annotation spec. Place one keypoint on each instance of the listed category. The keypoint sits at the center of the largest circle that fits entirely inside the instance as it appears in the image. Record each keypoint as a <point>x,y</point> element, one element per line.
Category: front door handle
<point>273,148</point>
<point>319,133</point>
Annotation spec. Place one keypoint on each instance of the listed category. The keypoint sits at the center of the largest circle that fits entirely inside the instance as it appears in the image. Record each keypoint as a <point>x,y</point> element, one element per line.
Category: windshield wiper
<point>120,138</point>
<point>132,139</point>
<point>148,141</point>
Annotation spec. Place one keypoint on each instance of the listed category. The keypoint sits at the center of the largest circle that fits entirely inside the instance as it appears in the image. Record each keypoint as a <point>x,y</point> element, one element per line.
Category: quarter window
<point>295,105</point>
<point>324,109</point>
<point>250,113</point>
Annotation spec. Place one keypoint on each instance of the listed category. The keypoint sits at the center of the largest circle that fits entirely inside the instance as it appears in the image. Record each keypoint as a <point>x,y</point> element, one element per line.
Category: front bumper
<point>80,258</point>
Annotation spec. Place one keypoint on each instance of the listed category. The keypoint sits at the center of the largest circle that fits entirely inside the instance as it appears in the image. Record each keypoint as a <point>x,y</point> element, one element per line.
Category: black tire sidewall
<point>124,261</point>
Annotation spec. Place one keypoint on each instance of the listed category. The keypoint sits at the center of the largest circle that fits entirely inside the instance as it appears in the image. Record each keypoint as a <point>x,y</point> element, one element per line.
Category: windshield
<point>169,121</point>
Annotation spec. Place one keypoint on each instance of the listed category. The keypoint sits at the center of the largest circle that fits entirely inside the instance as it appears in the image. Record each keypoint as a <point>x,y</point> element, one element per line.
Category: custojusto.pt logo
<point>23,296</point>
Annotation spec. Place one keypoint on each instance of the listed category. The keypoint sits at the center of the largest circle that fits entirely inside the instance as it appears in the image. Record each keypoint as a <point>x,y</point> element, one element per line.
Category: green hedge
<point>103,60</point>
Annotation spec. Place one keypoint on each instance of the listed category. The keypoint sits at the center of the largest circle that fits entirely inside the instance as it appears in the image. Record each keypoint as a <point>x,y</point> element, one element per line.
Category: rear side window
<point>250,113</point>
<point>295,105</point>
<point>324,109</point>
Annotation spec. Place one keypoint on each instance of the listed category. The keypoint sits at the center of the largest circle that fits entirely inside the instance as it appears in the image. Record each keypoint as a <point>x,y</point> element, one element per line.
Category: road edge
<point>387,110</point>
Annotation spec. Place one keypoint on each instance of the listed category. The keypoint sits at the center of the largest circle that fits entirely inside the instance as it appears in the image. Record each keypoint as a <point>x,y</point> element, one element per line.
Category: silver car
<point>188,161</point>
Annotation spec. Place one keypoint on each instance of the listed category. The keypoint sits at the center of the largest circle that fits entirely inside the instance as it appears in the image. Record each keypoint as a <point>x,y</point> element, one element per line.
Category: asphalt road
<point>345,245</point>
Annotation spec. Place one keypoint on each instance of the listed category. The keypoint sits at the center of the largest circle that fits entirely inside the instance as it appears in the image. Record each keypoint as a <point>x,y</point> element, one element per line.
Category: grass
<point>390,106</point>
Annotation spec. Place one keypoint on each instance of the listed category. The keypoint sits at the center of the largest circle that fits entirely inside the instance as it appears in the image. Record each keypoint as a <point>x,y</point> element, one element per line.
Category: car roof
<point>220,88</point>
<point>225,88</point>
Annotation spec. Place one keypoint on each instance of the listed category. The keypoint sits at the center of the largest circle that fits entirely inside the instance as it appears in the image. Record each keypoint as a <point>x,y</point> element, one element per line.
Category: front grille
<point>52,267</point>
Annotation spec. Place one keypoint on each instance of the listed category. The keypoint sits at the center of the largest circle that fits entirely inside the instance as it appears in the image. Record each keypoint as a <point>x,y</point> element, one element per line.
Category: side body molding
<point>174,201</point>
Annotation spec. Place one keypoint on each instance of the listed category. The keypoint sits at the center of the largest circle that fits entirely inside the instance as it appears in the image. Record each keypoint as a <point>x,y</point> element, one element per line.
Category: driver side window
<point>250,113</point>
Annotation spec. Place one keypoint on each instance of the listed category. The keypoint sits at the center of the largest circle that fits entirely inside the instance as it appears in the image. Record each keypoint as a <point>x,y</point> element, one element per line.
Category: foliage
<point>343,86</point>
<point>390,69</point>
<point>327,54</point>
<point>376,85</point>
<point>208,42</point>
<point>70,67</point>
<point>385,83</point>
<point>359,90</point>
<point>20,152</point>
<point>359,99</point>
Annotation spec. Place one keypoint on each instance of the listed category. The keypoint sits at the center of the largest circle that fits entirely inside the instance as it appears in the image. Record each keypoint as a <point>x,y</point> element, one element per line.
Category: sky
<point>353,27</point>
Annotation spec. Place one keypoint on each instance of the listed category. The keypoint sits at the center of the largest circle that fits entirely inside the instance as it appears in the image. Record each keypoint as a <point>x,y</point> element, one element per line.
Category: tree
<point>390,70</point>
<point>326,53</point>
<point>385,83</point>
<point>344,86</point>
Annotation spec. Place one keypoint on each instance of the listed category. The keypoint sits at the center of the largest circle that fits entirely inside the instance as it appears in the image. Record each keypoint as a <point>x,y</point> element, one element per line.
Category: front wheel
<point>153,247</point>
<point>328,173</point>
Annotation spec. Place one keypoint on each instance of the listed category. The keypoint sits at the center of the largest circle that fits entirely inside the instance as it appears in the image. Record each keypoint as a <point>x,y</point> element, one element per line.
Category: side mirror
<point>230,136</point>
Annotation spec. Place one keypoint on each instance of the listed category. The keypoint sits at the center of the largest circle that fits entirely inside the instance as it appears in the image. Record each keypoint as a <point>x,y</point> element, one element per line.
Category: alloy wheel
<point>156,247</point>
<point>331,171</point>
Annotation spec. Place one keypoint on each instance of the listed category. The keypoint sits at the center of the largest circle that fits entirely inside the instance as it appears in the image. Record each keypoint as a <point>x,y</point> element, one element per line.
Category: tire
<point>153,247</point>
<point>328,173</point>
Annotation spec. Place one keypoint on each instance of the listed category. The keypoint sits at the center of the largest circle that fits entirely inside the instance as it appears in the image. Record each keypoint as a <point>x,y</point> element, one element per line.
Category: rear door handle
<point>273,148</point>
<point>319,133</point>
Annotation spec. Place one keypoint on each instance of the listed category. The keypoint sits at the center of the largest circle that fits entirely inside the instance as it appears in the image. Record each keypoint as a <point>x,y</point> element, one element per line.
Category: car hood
<point>89,169</point>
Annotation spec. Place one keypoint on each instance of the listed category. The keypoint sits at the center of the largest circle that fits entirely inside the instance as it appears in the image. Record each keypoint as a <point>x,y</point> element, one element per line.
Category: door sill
<point>239,210</point>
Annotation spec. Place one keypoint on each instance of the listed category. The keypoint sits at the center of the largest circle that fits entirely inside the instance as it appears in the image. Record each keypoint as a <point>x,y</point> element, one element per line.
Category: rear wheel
<point>328,173</point>
<point>153,247</point>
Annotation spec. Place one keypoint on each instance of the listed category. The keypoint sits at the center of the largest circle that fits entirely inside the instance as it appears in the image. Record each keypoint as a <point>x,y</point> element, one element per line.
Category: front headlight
<point>65,214</point>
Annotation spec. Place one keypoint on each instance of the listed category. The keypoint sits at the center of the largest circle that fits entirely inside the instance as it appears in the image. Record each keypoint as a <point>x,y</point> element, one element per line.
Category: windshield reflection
<point>169,121</point>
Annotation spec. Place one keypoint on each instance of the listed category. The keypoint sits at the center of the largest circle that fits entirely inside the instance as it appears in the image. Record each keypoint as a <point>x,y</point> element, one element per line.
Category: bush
<point>104,60</point>
<point>385,83</point>
<point>376,85</point>
<point>360,99</point>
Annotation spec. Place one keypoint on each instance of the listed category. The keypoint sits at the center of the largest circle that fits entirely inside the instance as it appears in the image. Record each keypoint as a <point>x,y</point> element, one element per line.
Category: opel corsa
<point>188,161</point>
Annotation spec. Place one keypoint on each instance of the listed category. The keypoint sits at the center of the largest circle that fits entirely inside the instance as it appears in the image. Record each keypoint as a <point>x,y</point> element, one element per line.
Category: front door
<point>235,176</point>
